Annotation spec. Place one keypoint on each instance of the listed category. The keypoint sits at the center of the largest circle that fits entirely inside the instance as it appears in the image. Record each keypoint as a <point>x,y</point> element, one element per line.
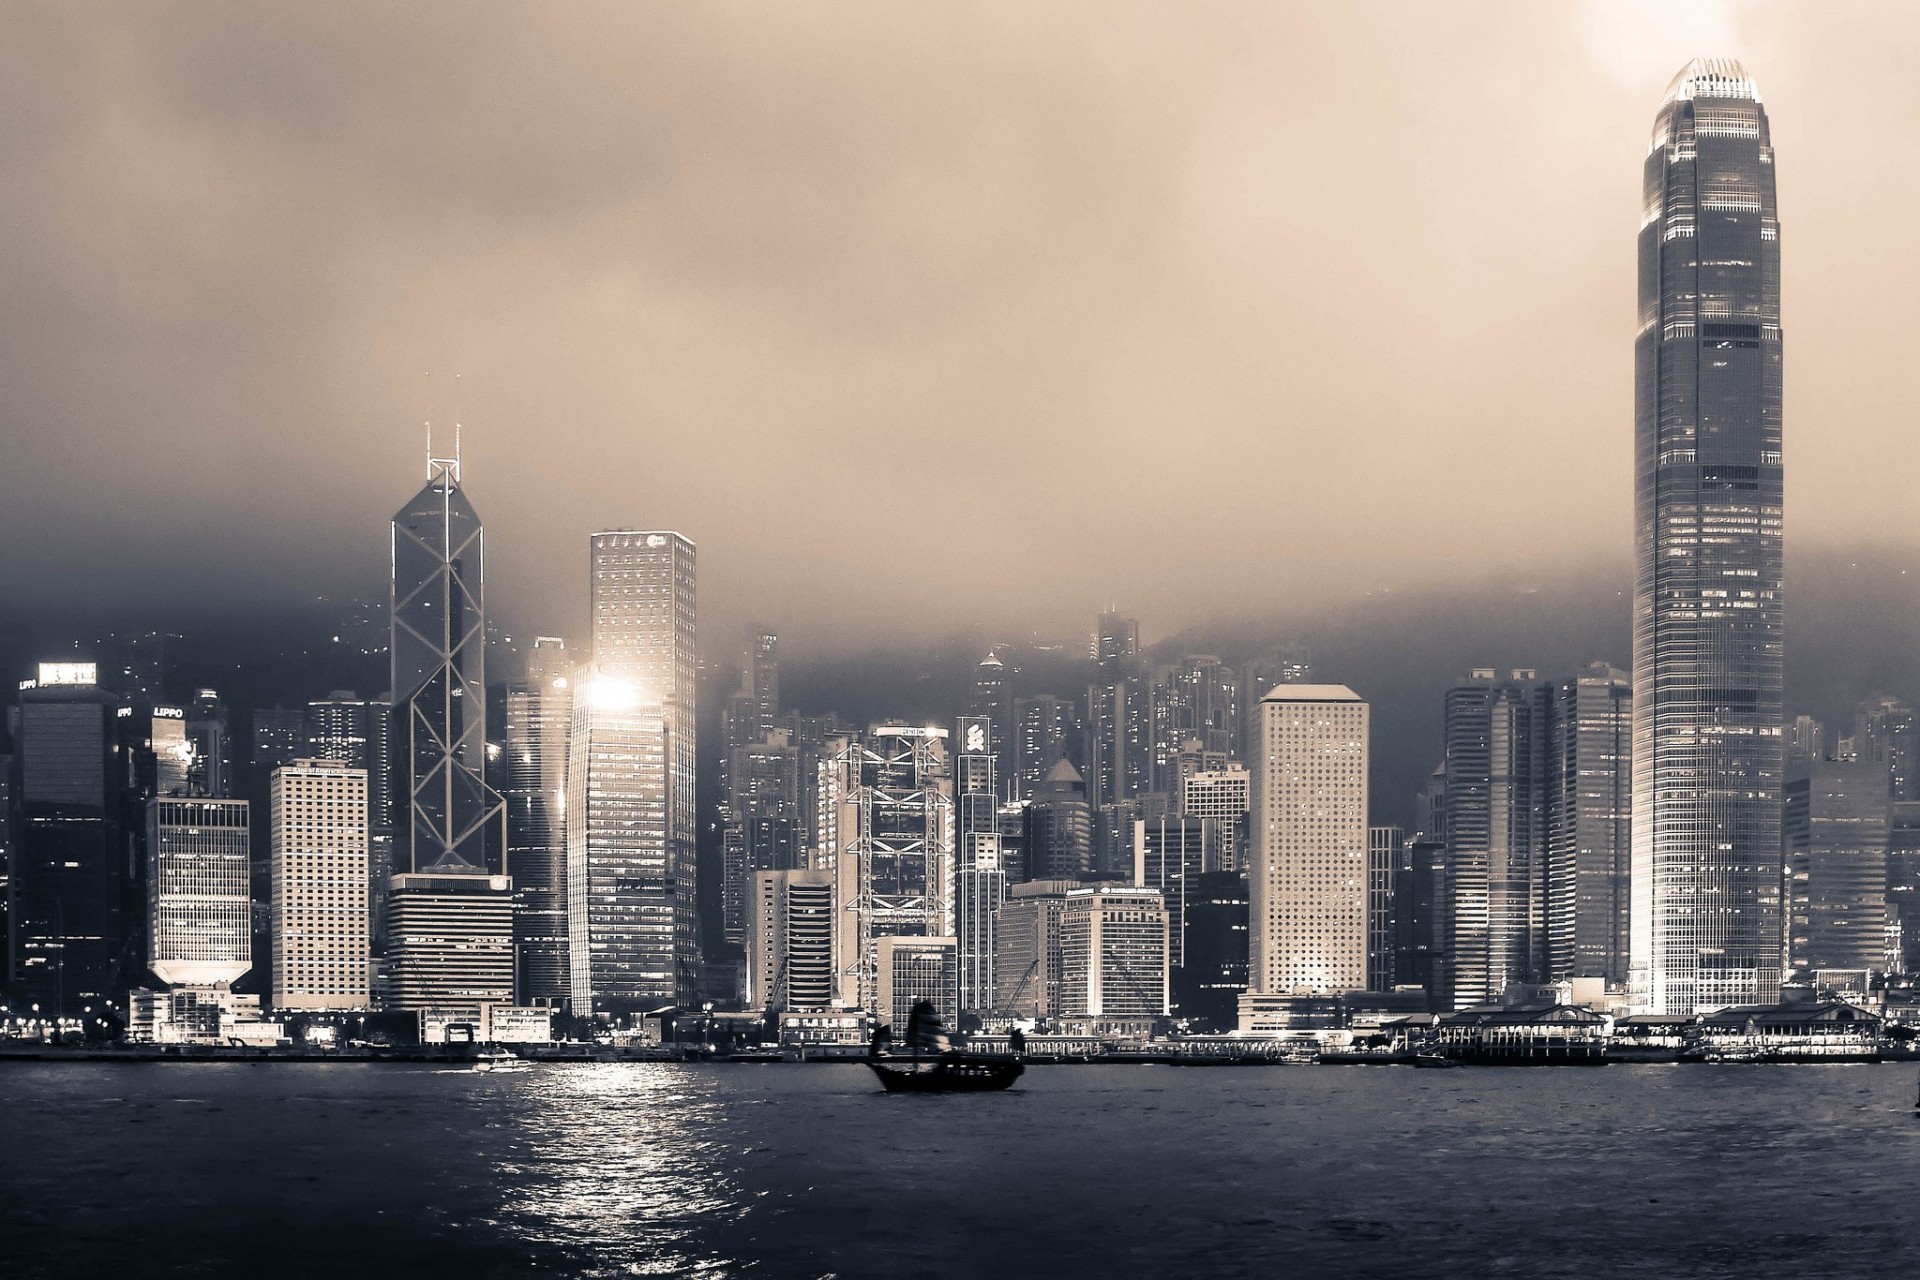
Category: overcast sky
<point>906,313</point>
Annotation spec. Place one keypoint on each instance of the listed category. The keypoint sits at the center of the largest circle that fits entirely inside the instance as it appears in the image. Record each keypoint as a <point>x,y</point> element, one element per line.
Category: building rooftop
<point>1711,78</point>
<point>1312,693</point>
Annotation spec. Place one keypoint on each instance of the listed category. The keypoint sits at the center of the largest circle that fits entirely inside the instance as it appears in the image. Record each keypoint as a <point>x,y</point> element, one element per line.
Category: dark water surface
<point>318,1170</point>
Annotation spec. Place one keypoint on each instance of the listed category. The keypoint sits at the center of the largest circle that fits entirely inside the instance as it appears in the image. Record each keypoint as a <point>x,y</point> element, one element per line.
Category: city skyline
<point>1442,270</point>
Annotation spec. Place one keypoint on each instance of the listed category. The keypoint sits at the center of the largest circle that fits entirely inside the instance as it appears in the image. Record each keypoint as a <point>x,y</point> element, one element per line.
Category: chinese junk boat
<point>927,1062</point>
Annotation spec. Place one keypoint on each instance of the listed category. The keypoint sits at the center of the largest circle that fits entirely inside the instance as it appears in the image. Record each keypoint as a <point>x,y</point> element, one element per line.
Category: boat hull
<point>951,1074</point>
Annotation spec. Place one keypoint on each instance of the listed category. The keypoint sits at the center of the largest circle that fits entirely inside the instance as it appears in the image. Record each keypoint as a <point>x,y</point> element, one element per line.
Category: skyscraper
<point>763,826</point>
<point>1047,729</point>
<point>1113,953</point>
<point>453,822</point>
<point>1059,843</point>
<point>1170,854</point>
<point>991,701</point>
<point>321,953</point>
<point>358,732</point>
<point>1495,822</point>
<point>1226,796</point>
<point>1383,865</point>
<point>76,909</point>
<point>980,873</point>
<point>450,826</point>
<point>1308,864</point>
<point>538,717</point>
<point>893,843</point>
<point>621,896</point>
<point>1589,821</point>
<point>1837,844</point>
<point>199,930</point>
<point>634,931</point>
<point>1707,624</point>
<point>790,941</point>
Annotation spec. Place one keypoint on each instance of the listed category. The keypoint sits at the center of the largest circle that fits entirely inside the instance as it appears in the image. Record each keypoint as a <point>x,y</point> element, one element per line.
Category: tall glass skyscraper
<point>449,919</point>
<point>453,821</point>
<point>537,718</point>
<point>1705,929</point>
<point>633,934</point>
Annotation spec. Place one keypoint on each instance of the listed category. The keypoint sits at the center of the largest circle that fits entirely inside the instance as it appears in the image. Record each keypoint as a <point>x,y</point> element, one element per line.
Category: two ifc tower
<point>1708,751</point>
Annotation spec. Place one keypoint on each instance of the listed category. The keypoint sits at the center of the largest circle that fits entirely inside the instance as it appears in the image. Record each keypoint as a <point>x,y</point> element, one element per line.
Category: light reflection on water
<point>617,1165</point>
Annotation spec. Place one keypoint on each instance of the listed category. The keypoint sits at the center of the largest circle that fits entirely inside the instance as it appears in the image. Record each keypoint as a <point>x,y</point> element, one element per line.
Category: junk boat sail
<point>928,1063</point>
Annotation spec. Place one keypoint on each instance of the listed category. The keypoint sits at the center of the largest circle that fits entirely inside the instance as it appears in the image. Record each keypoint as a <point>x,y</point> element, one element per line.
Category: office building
<point>1496,785</point>
<point>908,970</point>
<point>210,738</point>
<point>643,606</point>
<point>1589,825</point>
<point>1383,864</point>
<point>980,875</point>
<point>893,836</point>
<point>199,930</point>
<point>1707,623</point>
<point>76,909</point>
<point>622,894</point>
<point>763,827</point>
<point>1027,965</point>
<point>536,721</point>
<point>317,812</point>
<point>1423,921</point>
<point>450,945</point>
<point>279,737</point>
<point>171,751</point>
<point>1224,795</point>
<point>1308,855</point>
<point>358,732</point>
<point>992,701</point>
<point>1113,953</point>
<point>449,821</point>
<point>1837,827</point>
<point>1059,835</point>
<point>1207,987</point>
<point>1048,729</point>
<point>1170,854</point>
<point>790,942</point>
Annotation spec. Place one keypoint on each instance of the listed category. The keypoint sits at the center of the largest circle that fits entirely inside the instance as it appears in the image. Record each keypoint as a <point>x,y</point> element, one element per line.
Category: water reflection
<point>616,1167</point>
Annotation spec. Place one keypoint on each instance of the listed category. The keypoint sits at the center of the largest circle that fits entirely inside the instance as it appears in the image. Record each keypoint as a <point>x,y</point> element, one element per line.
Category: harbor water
<point>180,1169</point>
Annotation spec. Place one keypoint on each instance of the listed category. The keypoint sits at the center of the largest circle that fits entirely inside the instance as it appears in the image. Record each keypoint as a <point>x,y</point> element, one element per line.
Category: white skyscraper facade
<point>199,930</point>
<point>321,936</point>
<point>1308,863</point>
